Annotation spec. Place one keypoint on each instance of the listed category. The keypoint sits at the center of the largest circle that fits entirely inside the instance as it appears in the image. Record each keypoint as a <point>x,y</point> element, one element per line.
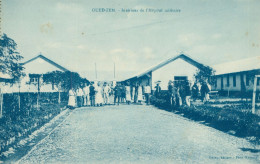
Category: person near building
<point>79,93</point>
<point>204,92</point>
<point>157,90</point>
<point>128,93</point>
<point>187,93</point>
<point>172,94</point>
<point>117,93</point>
<point>147,92</point>
<point>106,92</point>
<point>98,97</point>
<point>92,94</point>
<point>182,92</point>
<point>139,94</point>
<point>86,95</point>
<point>123,93</point>
<point>72,99</point>
<point>195,91</point>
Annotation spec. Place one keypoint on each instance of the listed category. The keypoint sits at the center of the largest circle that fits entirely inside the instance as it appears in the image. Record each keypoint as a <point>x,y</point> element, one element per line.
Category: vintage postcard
<point>134,81</point>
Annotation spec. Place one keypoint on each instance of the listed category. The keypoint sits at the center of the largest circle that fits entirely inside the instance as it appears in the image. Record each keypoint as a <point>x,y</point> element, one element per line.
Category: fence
<point>15,104</point>
<point>21,116</point>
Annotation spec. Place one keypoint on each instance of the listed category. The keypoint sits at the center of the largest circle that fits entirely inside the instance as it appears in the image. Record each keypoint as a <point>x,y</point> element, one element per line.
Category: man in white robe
<point>72,99</point>
<point>106,92</point>
<point>79,97</point>
<point>86,95</point>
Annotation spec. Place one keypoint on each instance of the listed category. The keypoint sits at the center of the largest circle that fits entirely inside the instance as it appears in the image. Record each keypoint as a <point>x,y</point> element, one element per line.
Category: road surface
<point>136,134</point>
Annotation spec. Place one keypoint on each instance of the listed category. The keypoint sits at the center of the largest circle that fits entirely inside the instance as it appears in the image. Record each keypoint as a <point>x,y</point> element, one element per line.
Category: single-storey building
<point>237,76</point>
<point>33,79</point>
<point>180,67</point>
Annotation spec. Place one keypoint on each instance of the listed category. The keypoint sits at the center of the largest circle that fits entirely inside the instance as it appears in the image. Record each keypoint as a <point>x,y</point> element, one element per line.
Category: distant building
<point>34,70</point>
<point>4,77</point>
<point>233,76</point>
<point>180,67</point>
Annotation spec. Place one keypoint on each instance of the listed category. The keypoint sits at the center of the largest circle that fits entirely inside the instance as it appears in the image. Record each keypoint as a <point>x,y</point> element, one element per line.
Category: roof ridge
<point>48,60</point>
<point>184,57</point>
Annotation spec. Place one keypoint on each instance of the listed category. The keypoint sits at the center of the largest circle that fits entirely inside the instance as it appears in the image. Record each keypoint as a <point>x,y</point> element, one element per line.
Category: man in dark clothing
<point>204,91</point>
<point>182,91</point>
<point>187,93</point>
<point>157,90</point>
<point>122,96</point>
<point>117,93</point>
<point>195,91</point>
<point>92,94</point>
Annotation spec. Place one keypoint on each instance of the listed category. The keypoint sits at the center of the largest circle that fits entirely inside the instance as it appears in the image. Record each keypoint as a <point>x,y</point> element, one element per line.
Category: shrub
<point>227,118</point>
<point>24,121</point>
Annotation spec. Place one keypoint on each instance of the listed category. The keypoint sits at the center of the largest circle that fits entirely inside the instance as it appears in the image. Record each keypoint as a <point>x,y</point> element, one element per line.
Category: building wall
<point>141,80</point>
<point>144,80</point>
<point>231,86</point>
<point>37,66</point>
<point>178,67</point>
<point>24,86</point>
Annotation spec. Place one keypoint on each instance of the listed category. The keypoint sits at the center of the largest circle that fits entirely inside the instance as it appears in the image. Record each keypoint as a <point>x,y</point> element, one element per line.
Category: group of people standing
<point>89,95</point>
<point>181,92</point>
<point>94,94</point>
<point>131,93</point>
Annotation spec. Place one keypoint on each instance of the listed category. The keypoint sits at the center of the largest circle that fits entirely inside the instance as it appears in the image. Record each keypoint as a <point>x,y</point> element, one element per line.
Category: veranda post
<point>254,94</point>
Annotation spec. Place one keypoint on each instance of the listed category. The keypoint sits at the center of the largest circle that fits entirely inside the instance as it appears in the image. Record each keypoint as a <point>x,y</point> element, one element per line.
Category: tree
<point>205,73</point>
<point>56,78</point>
<point>9,61</point>
<point>10,58</point>
<point>64,80</point>
<point>72,80</point>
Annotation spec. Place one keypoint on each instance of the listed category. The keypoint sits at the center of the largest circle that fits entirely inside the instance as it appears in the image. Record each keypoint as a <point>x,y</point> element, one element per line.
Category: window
<point>247,80</point>
<point>180,78</point>
<point>227,80</point>
<point>234,81</point>
<point>33,80</point>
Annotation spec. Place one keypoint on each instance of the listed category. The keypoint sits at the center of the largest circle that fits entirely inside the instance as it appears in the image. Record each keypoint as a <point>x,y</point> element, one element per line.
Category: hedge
<point>227,118</point>
<point>17,123</point>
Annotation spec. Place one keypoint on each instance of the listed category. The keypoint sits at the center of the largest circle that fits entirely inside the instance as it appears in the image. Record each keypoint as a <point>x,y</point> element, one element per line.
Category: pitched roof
<point>47,60</point>
<point>241,65</point>
<point>161,64</point>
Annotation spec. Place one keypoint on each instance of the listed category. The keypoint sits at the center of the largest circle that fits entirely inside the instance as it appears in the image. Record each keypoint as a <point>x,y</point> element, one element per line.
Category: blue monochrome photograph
<point>134,81</point>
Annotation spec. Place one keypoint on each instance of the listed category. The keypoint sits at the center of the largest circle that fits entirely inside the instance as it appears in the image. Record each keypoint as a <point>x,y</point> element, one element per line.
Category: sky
<point>71,34</point>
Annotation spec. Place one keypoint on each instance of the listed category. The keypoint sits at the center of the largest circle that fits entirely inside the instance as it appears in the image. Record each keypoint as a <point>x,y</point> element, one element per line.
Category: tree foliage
<point>64,80</point>
<point>204,74</point>
<point>10,58</point>
<point>55,78</point>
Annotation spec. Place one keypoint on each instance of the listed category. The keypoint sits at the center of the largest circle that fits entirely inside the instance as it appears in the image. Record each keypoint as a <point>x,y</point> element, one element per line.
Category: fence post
<point>1,102</point>
<point>59,99</point>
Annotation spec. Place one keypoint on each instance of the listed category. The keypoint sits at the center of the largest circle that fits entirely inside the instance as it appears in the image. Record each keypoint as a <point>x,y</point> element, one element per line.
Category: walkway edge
<point>63,113</point>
